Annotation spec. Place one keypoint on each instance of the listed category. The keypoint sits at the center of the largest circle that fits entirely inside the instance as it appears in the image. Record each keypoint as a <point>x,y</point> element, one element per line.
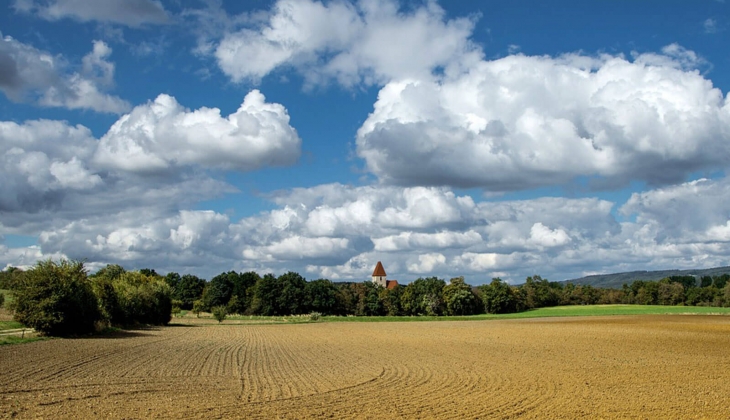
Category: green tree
<point>372,305</point>
<point>540,293</point>
<point>498,297</point>
<point>459,298</point>
<point>391,299</point>
<point>10,277</point>
<point>347,298</point>
<point>219,313</point>
<point>243,287</point>
<point>219,290</point>
<point>423,297</point>
<point>143,299</point>
<point>173,280</point>
<point>149,272</point>
<point>721,280</point>
<point>686,281</point>
<point>266,296</point>
<point>197,308</point>
<point>291,298</point>
<point>56,298</point>
<point>189,290</point>
<point>702,296</point>
<point>103,287</point>
<point>233,305</point>
<point>669,293</point>
<point>111,272</point>
<point>321,296</point>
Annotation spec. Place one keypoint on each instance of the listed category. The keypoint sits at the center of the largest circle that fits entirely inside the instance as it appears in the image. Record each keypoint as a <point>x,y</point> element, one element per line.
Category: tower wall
<point>379,280</point>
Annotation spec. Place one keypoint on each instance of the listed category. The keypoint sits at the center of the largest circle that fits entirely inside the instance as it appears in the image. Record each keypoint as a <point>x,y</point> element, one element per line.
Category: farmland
<point>653,366</point>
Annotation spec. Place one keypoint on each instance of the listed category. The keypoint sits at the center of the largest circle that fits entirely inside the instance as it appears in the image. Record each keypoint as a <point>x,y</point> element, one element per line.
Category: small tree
<point>197,308</point>
<point>176,307</point>
<point>2,299</point>
<point>219,313</point>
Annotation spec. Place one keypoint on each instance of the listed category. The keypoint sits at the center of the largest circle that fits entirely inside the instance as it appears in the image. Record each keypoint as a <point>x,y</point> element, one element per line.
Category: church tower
<point>379,275</point>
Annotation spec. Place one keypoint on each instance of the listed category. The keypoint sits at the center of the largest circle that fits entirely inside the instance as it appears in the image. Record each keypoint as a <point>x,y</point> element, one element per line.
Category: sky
<point>477,139</point>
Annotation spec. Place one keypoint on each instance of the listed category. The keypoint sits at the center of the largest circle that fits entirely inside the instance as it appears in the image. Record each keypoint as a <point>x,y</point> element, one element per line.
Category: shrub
<point>219,313</point>
<point>314,316</point>
<point>176,307</point>
<point>56,298</point>
<point>197,308</point>
<point>143,299</point>
<point>2,299</point>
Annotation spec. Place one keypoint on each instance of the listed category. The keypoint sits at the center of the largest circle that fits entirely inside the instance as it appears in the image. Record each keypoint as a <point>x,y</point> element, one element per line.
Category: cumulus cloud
<point>366,42</point>
<point>132,13</point>
<point>555,237</point>
<point>163,134</point>
<point>24,257</point>
<point>695,211</point>
<point>427,263</point>
<point>527,121</point>
<point>41,161</point>
<point>29,73</point>
<point>60,180</point>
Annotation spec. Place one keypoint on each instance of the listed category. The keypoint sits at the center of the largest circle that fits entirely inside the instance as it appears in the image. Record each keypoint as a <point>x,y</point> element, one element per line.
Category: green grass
<point>18,340</point>
<point>557,311</point>
<point>10,325</point>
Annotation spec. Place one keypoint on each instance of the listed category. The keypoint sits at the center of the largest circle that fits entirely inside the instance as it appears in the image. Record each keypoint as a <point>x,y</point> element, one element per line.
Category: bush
<point>57,299</point>
<point>2,299</point>
<point>176,307</point>
<point>197,308</point>
<point>314,316</point>
<point>219,313</point>
<point>143,299</point>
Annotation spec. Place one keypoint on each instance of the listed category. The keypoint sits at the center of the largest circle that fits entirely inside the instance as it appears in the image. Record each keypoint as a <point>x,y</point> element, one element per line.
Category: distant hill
<point>617,280</point>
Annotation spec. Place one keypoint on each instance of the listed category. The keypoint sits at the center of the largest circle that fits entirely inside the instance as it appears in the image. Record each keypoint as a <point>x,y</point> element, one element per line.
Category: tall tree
<point>291,300</point>
<point>189,290</point>
<point>459,298</point>
<point>321,296</point>
<point>498,297</point>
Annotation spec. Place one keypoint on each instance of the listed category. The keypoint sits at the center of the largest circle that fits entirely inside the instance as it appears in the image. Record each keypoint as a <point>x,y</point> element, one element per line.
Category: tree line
<point>53,295</point>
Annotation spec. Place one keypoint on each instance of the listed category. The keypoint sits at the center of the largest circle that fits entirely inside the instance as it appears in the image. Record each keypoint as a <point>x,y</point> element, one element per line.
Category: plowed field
<point>607,367</point>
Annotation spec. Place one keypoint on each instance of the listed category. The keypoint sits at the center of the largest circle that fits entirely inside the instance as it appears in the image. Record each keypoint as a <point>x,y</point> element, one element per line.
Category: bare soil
<point>594,367</point>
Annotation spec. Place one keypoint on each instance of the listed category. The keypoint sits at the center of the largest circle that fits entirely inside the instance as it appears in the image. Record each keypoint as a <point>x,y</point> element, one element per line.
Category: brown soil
<point>607,367</point>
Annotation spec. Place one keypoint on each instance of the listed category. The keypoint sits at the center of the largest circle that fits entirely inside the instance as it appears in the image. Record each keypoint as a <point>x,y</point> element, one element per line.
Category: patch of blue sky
<point>19,241</point>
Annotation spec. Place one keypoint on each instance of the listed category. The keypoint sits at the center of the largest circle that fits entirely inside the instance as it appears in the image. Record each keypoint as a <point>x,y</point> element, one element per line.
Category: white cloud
<point>412,240</point>
<point>40,160</point>
<point>680,227</point>
<point>298,247</point>
<point>24,257</point>
<point>368,42</point>
<point>521,122</point>
<point>132,13</point>
<point>427,263</point>
<point>690,212</point>
<point>161,135</point>
<point>29,73</point>
<point>543,236</point>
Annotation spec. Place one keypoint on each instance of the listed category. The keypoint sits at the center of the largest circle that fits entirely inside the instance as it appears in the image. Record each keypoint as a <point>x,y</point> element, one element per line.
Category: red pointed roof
<point>379,270</point>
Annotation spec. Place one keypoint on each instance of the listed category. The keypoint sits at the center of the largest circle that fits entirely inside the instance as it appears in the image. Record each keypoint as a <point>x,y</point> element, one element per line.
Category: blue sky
<point>477,139</point>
